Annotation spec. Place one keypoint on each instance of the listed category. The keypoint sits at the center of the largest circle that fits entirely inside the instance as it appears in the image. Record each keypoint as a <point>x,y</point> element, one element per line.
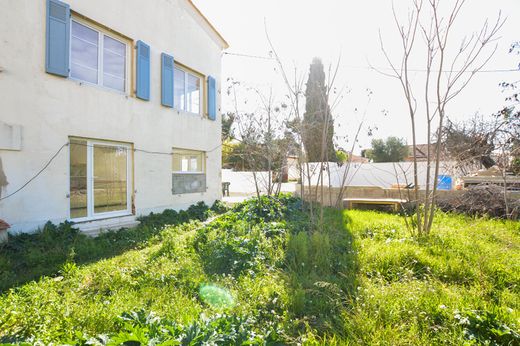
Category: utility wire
<point>372,68</point>
<point>88,145</point>
<point>249,56</point>
<point>37,174</point>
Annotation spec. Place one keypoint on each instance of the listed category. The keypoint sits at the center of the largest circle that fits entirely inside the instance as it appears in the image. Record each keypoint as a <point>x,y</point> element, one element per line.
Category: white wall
<point>49,109</point>
<point>383,174</point>
<point>243,183</point>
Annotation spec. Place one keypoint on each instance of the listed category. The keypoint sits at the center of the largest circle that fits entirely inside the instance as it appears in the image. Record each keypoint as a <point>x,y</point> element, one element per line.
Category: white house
<point>108,110</point>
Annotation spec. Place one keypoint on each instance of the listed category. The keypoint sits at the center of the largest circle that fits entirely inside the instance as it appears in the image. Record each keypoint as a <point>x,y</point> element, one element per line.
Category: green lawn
<point>262,274</point>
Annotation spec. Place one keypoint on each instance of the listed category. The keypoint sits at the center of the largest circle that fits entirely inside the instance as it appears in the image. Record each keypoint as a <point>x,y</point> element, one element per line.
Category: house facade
<point>109,110</point>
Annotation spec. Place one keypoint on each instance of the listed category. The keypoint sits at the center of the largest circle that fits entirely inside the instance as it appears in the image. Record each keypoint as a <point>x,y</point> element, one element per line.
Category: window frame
<point>91,214</point>
<point>182,151</point>
<point>101,44</point>
<point>187,71</point>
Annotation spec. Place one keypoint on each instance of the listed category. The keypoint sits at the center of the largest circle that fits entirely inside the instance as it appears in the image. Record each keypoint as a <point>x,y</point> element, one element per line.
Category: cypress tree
<point>317,119</point>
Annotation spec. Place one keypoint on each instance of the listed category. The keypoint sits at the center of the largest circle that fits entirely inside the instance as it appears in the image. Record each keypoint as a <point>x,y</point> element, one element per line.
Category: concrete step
<point>95,227</point>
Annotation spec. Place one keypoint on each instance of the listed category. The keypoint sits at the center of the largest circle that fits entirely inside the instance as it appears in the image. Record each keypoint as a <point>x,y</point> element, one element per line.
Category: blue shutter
<point>143,71</point>
<point>57,38</point>
<point>212,98</point>
<point>167,80</point>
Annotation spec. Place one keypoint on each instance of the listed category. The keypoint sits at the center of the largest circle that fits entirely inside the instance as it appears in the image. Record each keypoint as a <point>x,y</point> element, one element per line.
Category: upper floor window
<point>97,58</point>
<point>187,91</point>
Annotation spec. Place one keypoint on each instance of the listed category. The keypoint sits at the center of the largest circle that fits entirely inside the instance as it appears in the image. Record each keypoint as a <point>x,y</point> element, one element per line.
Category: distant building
<point>421,152</point>
<point>358,159</point>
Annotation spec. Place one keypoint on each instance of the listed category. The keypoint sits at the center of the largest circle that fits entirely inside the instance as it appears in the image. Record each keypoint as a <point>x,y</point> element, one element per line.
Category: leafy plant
<point>141,328</point>
<point>486,328</point>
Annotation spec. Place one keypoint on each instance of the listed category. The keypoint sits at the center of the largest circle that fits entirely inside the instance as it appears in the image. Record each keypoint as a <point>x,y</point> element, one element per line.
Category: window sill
<point>190,114</point>
<point>97,86</point>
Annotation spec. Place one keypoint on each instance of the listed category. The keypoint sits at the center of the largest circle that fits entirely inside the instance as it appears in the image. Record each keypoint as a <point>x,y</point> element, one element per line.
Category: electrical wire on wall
<point>55,155</point>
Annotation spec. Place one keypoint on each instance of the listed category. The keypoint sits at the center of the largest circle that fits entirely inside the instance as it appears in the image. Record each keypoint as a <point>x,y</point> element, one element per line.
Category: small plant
<point>141,328</point>
<point>486,328</point>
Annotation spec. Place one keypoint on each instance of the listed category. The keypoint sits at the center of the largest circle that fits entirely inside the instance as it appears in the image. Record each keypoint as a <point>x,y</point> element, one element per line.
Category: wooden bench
<point>349,203</point>
<point>225,188</point>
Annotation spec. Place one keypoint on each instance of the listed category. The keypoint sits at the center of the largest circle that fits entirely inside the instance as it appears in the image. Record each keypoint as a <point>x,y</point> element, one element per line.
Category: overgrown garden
<point>261,273</point>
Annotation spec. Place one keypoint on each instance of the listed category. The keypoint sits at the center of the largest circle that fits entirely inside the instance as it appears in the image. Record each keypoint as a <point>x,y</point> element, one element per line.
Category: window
<point>99,179</point>
<point>188,161</point>
<point>97,58</point>
<point>187,91</point>
<point>188,171</point>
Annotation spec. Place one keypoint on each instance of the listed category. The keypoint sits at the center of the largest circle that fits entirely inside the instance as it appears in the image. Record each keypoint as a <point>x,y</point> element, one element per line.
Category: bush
<point>266,208</point>
<point>199,211</point>
<point>29,256</point>
<point>140,328</point>
<point>242,241</point>
<point>486,328</point>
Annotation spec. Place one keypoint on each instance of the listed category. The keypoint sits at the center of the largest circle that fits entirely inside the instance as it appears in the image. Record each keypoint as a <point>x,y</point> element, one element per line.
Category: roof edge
<point>225,45</point>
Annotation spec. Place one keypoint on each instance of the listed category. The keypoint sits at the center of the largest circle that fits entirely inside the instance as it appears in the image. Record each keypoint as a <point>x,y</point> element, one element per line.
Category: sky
<point>348,31</point>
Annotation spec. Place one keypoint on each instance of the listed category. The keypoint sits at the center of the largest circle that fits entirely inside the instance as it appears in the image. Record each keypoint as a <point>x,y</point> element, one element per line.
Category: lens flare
<point>216,297</point>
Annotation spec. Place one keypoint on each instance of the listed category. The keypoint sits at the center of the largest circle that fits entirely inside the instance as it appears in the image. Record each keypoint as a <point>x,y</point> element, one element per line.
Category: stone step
<point>95,227</point>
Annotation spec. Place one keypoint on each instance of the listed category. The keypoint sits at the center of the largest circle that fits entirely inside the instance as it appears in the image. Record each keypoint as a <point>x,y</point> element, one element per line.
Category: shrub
<point>266,208</point>
<point>486,328</point>
<point>29,256</point>
<point>147,329</point>
<point>253,236</point>
<point>219,207</point>
<point>199,211</point>
<point>236,246</point>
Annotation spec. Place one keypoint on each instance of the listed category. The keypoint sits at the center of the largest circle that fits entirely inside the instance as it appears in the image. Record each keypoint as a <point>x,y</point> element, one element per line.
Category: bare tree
<point>330,98</point>
<point>346,171</point>
<point>446,76</point>
<point>263,137</point>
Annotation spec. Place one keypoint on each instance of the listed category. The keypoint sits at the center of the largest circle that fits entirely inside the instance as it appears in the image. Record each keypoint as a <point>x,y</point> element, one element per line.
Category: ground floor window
<point>188,161</point>
<point>189,171</point>
<point>100,179</point>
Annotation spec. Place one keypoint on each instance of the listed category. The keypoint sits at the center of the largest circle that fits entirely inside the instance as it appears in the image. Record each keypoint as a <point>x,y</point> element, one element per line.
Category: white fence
<point>378,174</point>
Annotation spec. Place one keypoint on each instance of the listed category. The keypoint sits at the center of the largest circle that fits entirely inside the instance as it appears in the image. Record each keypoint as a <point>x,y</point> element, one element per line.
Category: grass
<point>435,291</point>
<point>361,279</point>
<point>28,257</point>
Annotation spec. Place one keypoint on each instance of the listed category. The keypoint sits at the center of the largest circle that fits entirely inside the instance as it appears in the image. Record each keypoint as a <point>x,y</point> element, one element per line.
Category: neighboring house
<point>120,98</point>
<point>357,159</point>
<point>421,152</point>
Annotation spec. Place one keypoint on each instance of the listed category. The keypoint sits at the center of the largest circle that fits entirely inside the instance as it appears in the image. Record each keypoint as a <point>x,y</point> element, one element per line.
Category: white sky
<point>303,29</point>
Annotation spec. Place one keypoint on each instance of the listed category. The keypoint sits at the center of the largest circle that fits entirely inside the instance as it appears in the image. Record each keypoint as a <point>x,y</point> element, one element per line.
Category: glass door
<point>99,179</point>
<point>110,178</point>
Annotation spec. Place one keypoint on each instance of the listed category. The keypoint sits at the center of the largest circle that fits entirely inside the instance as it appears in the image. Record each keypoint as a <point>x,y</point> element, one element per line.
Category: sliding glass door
<point>100,179</point>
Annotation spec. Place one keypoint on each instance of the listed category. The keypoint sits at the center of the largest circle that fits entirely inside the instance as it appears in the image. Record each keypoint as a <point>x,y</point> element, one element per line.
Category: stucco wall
<point>49,109</point>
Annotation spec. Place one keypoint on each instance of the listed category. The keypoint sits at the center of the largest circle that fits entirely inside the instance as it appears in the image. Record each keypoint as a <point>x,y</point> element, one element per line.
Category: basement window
<point>188,171</point>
